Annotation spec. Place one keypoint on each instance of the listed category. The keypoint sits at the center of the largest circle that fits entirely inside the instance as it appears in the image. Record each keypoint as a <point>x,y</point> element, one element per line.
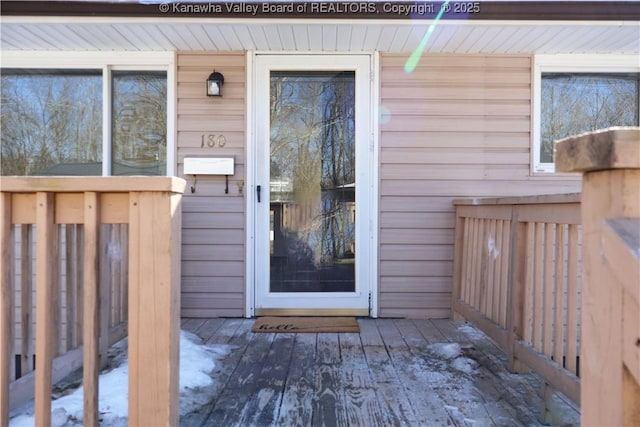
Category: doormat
<point>297,325</point>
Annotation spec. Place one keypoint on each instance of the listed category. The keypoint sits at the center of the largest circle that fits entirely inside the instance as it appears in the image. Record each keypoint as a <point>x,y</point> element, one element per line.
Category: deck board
<point>389,374</point>
<point>231,407</point>
<point>429,408</point>
<point>296,408</point>
<point>328,408</point>
<point>361,403</point>
<point>392,394</point>
<point>264,405</point>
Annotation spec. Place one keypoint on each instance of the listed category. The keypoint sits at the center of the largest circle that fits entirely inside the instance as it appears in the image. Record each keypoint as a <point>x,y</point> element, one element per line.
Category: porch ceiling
<point>193,34</point>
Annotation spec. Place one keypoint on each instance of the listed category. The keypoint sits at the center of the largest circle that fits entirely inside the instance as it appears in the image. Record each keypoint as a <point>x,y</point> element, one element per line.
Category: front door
<point>313,184</point>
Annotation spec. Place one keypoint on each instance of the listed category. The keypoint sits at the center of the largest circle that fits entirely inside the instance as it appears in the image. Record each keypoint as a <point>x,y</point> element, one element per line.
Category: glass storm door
<point>311,184</point>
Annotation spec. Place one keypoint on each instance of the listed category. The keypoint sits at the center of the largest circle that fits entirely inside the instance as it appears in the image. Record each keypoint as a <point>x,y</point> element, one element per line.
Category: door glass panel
<point>312,181</point>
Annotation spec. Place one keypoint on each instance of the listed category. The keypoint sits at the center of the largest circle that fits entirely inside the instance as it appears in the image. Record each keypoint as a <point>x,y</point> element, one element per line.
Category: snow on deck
<point>395,372</point>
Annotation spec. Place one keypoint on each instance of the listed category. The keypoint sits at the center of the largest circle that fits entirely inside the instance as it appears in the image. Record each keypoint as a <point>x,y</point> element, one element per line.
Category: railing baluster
<point>473,283</point>
<point>559,335</point>
<point>547,319</point>
<point>516,292</point>
<point>484,264</point>
<point>538,286</point>
<point>44,311</point>
<point>104,290</point>
<point>91,309</point>
<point>56,300</point>
<point>529,256</point>
<point>504,273</point>
<point>481,250</point>
<point>124,305</point>
<point>466,263</point>
<point>26,299</point>
<point>69,287</point>
<point>79,282</point>
<point>491,261</point>
<point>6,306</point>
<point>572,301</point>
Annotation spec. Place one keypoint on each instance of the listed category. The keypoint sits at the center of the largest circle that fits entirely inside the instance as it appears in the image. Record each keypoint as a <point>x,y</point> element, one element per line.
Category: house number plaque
<point>212,141</point>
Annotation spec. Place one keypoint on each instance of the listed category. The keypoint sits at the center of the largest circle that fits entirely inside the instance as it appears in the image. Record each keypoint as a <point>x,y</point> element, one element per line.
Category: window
<point>581,96</point>
<point>51,122</point>
<point>105,119</point>
<point>139,120</point>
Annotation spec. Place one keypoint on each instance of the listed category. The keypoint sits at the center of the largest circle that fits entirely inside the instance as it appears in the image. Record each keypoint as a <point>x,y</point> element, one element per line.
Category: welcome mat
<point>305,324</point>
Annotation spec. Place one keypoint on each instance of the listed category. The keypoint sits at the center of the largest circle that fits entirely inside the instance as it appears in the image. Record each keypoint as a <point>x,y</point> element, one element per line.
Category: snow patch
<point>472,332</point>
<point>463,364</point>
<point>446,351</point>
<point>197,361</point>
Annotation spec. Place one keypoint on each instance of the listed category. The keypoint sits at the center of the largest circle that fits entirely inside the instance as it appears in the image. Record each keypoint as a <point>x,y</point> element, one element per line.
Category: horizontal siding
<point>423,267</point>
<point>492,139</point>
<point>416,234</point>
<point>413,155</point>
<point>213,223</point>
<point>484,188</point>
<point>457,126</point>
<point>203,237</point>
<point>213,219</point>
<point>220,252</point>
<point>449,172</point>
<point>462,108</point>
<point>405,91</point>
<point>227,285</point>
<point>416,252</point>
<point>402,219</point>
<point>416,313</point>
<point>415,284</point>
<point>416,123</point>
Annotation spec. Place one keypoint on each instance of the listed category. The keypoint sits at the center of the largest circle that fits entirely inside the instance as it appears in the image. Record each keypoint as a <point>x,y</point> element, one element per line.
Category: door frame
<point>371,272</point>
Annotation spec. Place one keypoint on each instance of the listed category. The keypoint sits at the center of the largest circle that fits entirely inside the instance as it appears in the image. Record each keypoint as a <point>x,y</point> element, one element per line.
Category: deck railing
<point>610,162</point>
<point>102,256</point>
<point>67,299</point>
<point>517,277</point>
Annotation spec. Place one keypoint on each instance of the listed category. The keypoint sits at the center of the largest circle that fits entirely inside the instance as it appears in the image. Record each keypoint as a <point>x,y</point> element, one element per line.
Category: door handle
<point>258,188</point>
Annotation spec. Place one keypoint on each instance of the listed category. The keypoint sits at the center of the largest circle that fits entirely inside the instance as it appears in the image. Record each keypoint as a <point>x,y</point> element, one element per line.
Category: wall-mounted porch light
<point>214,84</point>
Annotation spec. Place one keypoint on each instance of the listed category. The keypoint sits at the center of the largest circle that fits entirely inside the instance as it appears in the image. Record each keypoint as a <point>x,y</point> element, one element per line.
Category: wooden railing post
<point>457,264</point>
<point>42,207</point>
<point>610,161</point>
<point>6,306</point>
<point>154,304</point>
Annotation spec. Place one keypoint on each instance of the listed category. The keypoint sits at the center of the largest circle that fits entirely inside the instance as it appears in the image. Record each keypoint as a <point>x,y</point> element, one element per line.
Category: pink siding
<point>458,126</point>
<point>213,231</point>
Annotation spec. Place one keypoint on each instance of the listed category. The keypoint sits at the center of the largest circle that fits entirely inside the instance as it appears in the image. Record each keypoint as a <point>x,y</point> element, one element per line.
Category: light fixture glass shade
<point>214,84</point>
<point>212,88</point>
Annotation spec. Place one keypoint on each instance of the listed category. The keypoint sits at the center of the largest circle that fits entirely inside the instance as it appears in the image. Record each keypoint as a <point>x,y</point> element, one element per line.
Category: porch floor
<point>395,372</point>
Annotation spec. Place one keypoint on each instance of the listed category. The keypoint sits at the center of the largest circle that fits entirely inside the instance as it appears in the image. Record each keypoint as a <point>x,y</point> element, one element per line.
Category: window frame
<point>108,62</point>
<point>568,64</point>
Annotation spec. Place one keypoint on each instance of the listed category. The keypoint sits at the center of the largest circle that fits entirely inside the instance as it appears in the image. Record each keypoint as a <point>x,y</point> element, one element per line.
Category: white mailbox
<point>208,165</point>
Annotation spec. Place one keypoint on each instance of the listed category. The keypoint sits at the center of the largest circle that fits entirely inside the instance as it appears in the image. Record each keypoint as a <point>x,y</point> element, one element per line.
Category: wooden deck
<point>393,373</point>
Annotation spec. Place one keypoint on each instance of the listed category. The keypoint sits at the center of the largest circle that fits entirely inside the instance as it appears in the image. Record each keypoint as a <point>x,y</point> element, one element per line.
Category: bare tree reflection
<point>313,180</point>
